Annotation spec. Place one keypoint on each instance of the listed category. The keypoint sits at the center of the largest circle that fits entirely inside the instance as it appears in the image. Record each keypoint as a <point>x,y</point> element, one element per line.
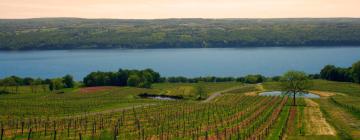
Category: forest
<point>76,33</point>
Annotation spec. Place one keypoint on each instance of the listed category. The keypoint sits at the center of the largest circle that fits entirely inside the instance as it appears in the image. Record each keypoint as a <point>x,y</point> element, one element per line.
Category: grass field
<point>69,103</point>
<point>119,113</point>
<point>189,90</point>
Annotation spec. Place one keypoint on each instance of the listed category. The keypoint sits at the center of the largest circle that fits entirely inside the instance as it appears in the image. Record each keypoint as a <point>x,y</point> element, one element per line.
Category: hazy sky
<point>149,9</point>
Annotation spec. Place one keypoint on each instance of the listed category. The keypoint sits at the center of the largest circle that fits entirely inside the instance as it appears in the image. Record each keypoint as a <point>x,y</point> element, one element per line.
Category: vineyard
<point>231,116</point>
<point>119,113</point>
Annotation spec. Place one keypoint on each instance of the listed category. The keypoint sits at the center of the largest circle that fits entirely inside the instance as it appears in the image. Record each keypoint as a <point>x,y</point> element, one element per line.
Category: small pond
<point>279,93</point>
<point>160,97</point>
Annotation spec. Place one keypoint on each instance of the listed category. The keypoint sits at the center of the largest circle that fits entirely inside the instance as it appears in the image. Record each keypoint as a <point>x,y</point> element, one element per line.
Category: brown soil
<point>291,121</point>
<point>324,93</point>
<point>251,94</point>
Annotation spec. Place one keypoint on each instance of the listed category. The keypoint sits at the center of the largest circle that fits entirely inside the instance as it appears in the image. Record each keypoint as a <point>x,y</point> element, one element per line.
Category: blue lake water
<point>269,61</point>
<point>279,93</point>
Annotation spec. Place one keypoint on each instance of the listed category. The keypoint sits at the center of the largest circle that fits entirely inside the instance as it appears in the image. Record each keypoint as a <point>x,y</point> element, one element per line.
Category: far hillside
<point>75,33</point>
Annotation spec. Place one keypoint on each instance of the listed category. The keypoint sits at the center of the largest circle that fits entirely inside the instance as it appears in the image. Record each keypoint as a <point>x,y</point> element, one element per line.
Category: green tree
<point>56,84</point>
<point>355,71</point>
<point>200,91</point>
<point>330,72</point>
<point>295,82</point>
<point>68,81</point>
<point>133,80</point>
<point>144,84</point>
<point>253,79</point>
<point>28,80</point>
<point>9,82</point>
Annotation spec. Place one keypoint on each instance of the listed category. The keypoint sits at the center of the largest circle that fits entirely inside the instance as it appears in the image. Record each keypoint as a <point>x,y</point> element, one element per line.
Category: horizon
<point>179,9</point>
<point>178,18</point>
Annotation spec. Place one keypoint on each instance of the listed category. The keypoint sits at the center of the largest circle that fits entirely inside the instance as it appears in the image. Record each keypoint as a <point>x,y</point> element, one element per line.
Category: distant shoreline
<point>238,47</point>
<point>76,33</point>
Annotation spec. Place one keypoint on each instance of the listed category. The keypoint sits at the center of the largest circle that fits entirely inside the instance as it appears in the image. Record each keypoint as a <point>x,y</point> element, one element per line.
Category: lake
<point>279,93</point>
<point>269,61</point>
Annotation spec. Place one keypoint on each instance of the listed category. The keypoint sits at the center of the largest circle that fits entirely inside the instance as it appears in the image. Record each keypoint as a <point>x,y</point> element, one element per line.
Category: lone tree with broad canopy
<point>295,82</point>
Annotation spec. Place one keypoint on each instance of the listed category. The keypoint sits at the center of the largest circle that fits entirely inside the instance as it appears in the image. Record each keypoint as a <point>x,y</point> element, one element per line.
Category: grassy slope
<point>70,102</point>
<point>73,102</point>
<point>189,90</point>
<point>346,125</point>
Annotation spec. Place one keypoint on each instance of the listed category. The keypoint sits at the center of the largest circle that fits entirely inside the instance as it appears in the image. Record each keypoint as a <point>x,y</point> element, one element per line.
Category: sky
<point>155,9</point>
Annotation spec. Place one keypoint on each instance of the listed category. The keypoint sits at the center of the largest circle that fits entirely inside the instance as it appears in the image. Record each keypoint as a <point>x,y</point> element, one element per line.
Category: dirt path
<point>218,93</point>
<point>315,123</point>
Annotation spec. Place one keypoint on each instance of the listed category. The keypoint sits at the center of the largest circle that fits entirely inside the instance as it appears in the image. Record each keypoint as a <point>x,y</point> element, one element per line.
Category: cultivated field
<point>236,112</point>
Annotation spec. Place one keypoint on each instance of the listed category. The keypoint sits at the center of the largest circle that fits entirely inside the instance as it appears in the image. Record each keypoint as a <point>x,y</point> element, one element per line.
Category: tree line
<point>145,78</point>
<point>11,84</point>
<point>133,78</point>
<point>251,79</point>
<point>349,74</point>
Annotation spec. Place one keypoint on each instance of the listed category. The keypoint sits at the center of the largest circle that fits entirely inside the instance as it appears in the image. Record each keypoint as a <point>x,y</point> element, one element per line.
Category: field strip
<point>218,93</point>
<point>260,87</point>
<point>342,118</point>
<point>325,93</point>
<point>255,93</point>
<point>315,123</point>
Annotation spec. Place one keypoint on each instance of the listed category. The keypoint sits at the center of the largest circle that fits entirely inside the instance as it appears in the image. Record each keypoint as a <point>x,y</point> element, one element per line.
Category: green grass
<point>72,102</point>
<point>272,86</point>
<point>175,120</point>
<point>189,90</point>
<point>69,103</point>
<point>245,89</point>
<point>26,89</point>
<point>182,119</point>
<point>350,104</point>
<point>351,89</point>
<point>280,124</point>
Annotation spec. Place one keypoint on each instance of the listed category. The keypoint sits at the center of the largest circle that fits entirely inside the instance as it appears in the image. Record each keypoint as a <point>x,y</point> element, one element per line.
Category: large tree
<point>330,72</point>
<point>68,81</point>
<point>9,82</point>
<point>355,70</point>
<point>295,82</point>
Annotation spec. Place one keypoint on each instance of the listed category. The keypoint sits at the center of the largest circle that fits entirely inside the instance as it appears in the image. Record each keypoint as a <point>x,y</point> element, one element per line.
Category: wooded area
<point>73,33</point>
